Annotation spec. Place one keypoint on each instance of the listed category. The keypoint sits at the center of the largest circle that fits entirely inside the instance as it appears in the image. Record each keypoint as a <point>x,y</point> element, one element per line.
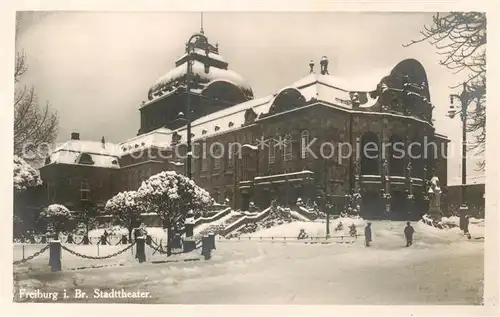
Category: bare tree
<point>460,38</point>
<point>34,124</point>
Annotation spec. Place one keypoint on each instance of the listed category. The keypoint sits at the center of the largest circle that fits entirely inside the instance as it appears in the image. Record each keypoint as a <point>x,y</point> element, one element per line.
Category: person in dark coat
<point>368,234</point>
<point>409,234</point>
<point>466,224</point>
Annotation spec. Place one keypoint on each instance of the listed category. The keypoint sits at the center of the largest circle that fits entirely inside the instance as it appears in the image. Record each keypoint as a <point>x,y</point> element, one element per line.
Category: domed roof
<point>208,67</point>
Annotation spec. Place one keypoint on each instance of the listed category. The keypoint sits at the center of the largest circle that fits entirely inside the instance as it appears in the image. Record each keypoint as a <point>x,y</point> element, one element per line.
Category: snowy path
<point>435,270</point>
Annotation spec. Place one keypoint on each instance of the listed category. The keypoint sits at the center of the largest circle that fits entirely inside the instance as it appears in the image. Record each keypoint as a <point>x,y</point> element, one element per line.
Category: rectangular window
<point>304,141</point>
<point>84,190</point>
<point>272,151</point>
<point>287,148</point>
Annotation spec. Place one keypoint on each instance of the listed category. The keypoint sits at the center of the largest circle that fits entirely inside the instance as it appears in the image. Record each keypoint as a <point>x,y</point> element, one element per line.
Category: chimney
<point>103,142</point>
<point>75,136</point>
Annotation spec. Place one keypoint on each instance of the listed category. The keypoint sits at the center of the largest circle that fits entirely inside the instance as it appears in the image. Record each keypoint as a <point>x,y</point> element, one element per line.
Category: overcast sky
<point>96,68</point>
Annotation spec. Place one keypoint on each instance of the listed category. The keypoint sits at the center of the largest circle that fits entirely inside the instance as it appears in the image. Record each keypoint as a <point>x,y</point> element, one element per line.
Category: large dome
<point>209,70</point>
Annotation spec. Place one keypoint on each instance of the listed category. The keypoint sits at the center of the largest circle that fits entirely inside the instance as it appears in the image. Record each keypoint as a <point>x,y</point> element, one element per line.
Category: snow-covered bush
<point>25,176</point>
<point>249,228</point>
<point>126,208</point>
<point>57,217</point>
<point>353,204</point>
<point>444,223</point>
<point>171,196</point>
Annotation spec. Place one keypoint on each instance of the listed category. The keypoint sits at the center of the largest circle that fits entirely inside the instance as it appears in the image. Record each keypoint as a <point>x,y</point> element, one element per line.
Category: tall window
<point>304,140</point>
<point>272,151</point>
<point>397,156</point>
<point>51,191</point>
<point>370,154</point>
<point>84,190</point>
<point>232,154</point>
<point>246,167</point>
<point>204,164</point>
<point>217,153</point>
<point>287,150</point>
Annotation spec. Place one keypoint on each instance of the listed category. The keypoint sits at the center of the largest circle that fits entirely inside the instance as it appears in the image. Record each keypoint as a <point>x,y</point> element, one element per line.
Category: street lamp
<point>464,98</point>
<point>321,201</point>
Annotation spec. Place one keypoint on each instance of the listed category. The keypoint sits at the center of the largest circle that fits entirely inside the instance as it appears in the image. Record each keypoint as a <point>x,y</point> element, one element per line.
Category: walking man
<point>368,234</point>
<point>466,227</point>
<point>409,234</point>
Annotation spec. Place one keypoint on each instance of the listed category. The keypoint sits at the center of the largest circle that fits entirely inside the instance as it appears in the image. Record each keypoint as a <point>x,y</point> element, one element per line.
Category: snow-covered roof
<point>215,123</point>
<point>227,119</point>
<point>69,153</point>
<point>161,137</point>
<point>214,74</point>
<point>365,81</point>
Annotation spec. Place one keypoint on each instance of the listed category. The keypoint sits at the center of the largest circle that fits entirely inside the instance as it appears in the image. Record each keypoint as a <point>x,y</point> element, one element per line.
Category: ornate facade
<point>282,146</point>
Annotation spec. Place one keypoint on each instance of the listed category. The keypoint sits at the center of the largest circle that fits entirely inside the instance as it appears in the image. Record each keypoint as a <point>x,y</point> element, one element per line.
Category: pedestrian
<point>466,224</point>
<point>409,234</point>
<point>352,231</point>
<point>368,234</point>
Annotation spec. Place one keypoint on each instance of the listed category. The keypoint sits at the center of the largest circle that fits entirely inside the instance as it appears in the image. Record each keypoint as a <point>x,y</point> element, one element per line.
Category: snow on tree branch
<point>57,216</point>
<point>125,207</point>
<point>460,38</point>
<point>35,125</point>
<point>25,176</point>
<point>172,195</point>
<point>56,210</point>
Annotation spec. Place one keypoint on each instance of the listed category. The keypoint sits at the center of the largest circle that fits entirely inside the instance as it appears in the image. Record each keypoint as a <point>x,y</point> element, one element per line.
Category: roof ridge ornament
<point>201,28</point>
<point>324,65</point>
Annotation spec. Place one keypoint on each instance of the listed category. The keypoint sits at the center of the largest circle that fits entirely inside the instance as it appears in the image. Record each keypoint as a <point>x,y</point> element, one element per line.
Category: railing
<point>215,217</point>
<point>244,220</point>
<point>295,239</point>
<point>305,212</point>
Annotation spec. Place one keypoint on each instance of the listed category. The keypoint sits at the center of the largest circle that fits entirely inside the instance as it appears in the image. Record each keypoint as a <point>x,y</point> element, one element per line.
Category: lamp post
<point>464,98</point>
<point>321,201</point>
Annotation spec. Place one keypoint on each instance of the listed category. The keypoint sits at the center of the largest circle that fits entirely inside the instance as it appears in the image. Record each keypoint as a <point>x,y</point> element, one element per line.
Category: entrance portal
<point>371,207</point>
<point>398,206</point>
<point>245,201</point>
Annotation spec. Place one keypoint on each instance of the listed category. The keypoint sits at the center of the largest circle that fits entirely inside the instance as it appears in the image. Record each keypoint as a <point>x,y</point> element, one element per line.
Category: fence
<point>296,239</point>
<point>206,244</point>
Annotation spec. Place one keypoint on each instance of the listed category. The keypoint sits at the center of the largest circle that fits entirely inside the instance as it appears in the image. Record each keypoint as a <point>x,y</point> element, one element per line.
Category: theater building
<point>287,143</point>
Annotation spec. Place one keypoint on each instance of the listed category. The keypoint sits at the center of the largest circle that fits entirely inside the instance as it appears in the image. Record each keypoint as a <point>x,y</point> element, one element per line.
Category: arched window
<point>287,148</point>
<point>304,141</point>
<point>232,155</point>
<point>85,158</point>
<point>217,155</point>
<point>370,154</point>
<point>247,162</point>
<point>397,155</point>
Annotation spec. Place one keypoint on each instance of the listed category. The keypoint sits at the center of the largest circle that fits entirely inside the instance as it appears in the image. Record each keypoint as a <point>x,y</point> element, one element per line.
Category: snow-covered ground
<point>442,267</point>
<point>313,229</point>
